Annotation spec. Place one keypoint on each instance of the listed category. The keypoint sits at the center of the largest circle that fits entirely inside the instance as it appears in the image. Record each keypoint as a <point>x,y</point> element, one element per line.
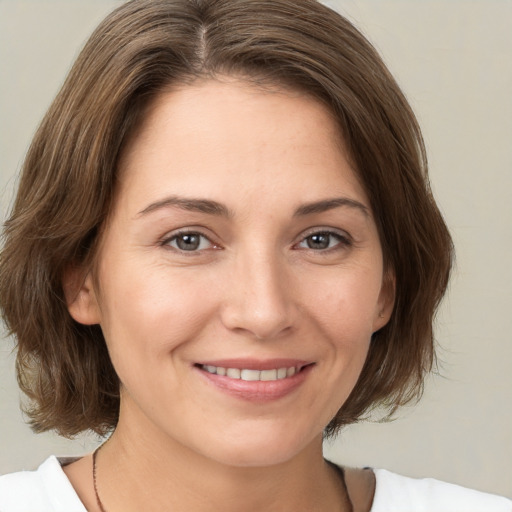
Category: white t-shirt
<point>48,490</point>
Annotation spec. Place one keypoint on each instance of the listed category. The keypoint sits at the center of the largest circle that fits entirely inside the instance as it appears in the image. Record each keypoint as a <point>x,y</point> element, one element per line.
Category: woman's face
<point>240,276</point>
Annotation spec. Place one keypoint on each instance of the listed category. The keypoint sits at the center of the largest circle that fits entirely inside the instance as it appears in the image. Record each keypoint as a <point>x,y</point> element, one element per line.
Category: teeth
<point>252,375</point>
<point>268,375</point>
<point>234,373</point>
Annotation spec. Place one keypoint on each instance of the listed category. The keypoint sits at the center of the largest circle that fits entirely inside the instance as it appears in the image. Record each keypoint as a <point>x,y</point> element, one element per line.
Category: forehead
<point>211,136</point>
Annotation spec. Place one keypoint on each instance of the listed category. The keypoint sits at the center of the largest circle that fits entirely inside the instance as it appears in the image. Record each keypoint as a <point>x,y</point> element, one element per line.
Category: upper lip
<point>255,364</point>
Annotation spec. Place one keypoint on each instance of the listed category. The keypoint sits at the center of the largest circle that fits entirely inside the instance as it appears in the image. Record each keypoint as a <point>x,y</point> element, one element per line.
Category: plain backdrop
<point>453,59</point>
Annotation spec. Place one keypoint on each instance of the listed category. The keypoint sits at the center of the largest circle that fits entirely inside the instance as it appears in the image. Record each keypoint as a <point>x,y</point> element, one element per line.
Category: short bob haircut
<point>69,178</point>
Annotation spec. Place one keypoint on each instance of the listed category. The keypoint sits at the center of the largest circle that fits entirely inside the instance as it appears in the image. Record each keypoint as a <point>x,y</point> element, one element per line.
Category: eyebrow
<point>211,207</point>
<point>190,204</point>
<point>330,204</point>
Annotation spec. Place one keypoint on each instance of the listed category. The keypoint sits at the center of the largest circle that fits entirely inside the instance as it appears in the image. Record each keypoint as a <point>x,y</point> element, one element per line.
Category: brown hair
<point>69,176</point>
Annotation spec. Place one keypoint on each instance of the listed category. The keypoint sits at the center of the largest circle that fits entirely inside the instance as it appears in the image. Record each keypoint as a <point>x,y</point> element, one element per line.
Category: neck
<point>139,469</point>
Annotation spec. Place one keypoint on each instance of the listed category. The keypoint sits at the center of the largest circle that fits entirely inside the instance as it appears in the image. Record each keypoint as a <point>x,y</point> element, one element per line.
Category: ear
<point>386,301</point>
<point>80,296</point>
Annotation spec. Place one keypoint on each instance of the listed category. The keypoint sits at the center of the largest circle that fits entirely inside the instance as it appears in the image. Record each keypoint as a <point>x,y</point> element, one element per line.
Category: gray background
<point>453,59</point>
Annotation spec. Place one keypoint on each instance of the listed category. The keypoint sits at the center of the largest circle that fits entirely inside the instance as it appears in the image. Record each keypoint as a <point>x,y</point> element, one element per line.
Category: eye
<point>189,241</point>
<point>324,240</point>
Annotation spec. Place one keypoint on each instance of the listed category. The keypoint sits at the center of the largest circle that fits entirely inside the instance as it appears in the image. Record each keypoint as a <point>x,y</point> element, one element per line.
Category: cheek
<point>152,313</point>
<point>347,304</point>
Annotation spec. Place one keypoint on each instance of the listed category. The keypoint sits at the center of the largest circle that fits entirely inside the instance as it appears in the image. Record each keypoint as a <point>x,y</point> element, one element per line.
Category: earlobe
<point>386,301</point>
<point>80,296</point>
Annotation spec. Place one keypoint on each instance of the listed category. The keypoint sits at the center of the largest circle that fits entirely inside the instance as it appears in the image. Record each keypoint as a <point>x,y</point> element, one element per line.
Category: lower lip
<point>257,391</point>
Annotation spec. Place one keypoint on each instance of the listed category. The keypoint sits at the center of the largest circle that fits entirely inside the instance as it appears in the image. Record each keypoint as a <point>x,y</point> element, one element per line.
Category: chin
<point>247,457</point>
<point>262,448</point>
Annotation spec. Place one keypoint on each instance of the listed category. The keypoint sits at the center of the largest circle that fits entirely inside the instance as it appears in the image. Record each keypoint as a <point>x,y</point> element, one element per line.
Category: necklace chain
<point>98,500</point>
<point>340,471</point>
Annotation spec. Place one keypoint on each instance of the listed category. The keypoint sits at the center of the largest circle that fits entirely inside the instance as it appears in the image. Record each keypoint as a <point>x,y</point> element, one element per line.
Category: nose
<point>259,298</point>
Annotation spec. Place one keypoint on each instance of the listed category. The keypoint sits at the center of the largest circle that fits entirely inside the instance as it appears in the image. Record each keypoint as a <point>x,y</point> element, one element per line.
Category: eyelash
<point>181,234</point>
<point>343,241</point>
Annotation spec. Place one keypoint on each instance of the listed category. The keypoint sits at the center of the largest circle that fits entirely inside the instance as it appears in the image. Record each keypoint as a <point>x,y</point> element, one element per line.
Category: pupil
<point>318,241</point>
<point>188,242</point>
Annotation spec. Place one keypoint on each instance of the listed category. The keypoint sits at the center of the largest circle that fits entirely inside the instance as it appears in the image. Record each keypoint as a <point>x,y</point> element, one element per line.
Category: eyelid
<point>192,230</point>
<point>325,229</point>
<point>344,237</point>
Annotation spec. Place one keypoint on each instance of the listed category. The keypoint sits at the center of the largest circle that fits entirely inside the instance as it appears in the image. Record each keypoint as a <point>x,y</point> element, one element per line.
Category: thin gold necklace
<point>98,500</point>
<point>341,473</point>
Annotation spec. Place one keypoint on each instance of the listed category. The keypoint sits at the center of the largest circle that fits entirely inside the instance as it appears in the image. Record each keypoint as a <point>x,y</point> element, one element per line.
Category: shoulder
<point>399,493</point>
<point>45,490</point>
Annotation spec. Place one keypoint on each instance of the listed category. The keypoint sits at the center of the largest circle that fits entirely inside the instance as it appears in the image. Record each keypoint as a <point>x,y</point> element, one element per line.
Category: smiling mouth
<point>256,381</point>
<point>247,374</point>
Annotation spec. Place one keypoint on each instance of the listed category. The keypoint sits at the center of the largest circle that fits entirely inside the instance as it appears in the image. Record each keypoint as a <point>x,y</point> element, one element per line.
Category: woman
<point>223,248</point>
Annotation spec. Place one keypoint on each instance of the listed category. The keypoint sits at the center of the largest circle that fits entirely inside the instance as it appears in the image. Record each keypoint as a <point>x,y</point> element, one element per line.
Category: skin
<point>257,286</point>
